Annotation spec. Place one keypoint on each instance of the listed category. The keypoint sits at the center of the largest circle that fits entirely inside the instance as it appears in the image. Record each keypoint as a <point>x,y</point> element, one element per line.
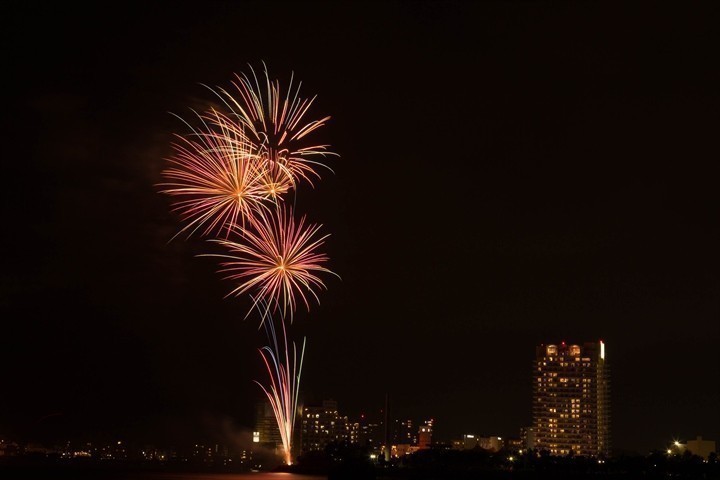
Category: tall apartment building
<point>571,404</point>
<point>370,433</point>
<point>321,425</point>
<point>267,432</point>
<point>403,432</point>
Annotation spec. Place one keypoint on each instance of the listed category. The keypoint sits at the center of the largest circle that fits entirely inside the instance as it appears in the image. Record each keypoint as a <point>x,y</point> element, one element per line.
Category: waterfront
<point>225,476</point>
<point>99,474</point>
<point>627,469</point>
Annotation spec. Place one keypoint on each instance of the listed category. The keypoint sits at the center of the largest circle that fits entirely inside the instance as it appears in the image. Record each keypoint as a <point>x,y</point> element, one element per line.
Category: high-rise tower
<point>571,404</point>
<point>267,432</point>
<point>322,425</point>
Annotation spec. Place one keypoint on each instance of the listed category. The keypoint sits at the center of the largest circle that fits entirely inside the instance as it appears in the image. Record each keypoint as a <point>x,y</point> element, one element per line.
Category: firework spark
<point>274,121</point>
<point>284,371</point>
<point>229,176</point>
<point>276,260</point>
<point>218,174</point>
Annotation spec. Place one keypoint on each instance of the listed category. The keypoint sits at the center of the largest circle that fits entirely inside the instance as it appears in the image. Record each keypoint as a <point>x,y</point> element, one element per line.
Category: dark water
<point>224,476</point>
<point>65,474</point>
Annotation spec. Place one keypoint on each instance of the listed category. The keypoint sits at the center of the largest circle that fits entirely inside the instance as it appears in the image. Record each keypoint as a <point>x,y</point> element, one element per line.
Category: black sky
<point>510,174</point>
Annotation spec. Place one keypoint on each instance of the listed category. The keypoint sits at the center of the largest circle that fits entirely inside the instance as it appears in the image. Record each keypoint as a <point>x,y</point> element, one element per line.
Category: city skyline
<point>510,174</point>
<point>561,373</point>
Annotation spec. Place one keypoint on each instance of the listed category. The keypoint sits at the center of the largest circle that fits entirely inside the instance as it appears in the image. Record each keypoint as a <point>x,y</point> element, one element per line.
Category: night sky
<point>510,174</point>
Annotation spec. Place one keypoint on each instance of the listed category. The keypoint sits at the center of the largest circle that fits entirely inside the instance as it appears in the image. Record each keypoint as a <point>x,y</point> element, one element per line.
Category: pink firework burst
<point>274,120</point>
<point>217,175</point>
<point>276,260</point>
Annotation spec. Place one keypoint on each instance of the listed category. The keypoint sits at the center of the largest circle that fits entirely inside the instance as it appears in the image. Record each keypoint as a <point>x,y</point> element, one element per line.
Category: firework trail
<point>284,371</point>
<point>276,260</point>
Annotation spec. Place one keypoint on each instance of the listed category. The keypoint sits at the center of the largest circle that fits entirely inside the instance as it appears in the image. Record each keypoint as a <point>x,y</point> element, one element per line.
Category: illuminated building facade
<point>425,434</point>
<point>267,432</point>
<point>472,442</point>
<point>527,438</point>
<point>404,433</point>
<point>513,444</point>
<point>322,425</point>
<point>353,433</point>
<point>370,433</point>
<point>571,404</point>
<point>469,442</point>
<point>700,447</point>
<point>492,444</point>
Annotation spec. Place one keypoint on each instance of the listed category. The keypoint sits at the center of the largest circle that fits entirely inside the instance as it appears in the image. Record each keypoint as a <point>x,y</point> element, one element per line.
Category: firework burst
<point>276,260</point>
<point>218,174</point>
<point>274,120</point>
<point>228,177</point>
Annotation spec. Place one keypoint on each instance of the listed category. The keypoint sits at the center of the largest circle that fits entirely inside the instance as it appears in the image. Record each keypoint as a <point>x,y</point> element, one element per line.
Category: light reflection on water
<point>226,476</point>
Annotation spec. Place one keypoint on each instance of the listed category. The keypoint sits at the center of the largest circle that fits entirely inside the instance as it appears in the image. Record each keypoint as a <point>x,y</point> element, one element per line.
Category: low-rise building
<point>700,447</point>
